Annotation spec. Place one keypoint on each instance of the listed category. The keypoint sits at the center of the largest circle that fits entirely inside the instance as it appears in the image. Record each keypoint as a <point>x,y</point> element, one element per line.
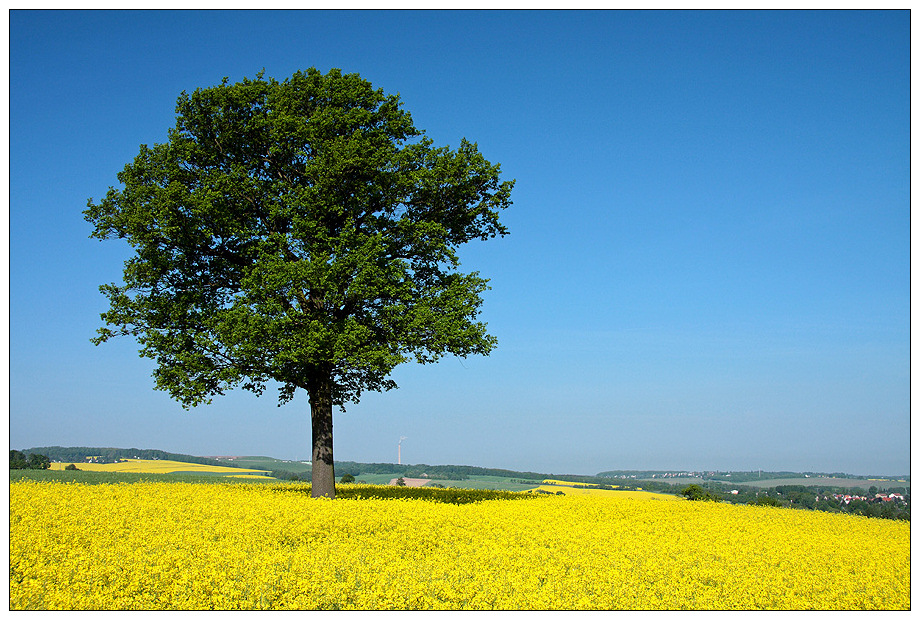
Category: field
<point>162,545</point>
<point>483,482</point>
<point>564,487</point>
<point>268,463</point>
<point>120,477</point>
<point>577,490</point>
<point>141,466</point>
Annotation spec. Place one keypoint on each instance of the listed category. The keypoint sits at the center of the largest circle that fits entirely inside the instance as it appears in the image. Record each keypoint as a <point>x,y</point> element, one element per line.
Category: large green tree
<point>301,232</point>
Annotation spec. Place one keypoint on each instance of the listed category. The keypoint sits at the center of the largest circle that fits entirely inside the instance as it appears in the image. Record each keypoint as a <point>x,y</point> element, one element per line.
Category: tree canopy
<point>33,460</point>
<point>302,232</point>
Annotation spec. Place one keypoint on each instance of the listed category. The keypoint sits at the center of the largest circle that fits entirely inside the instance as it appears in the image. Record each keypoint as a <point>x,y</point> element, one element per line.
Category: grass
<point>267,463</point>
<point>373,478</point>
<point>433,494</point>
<point>494,483</point>
<point>115,477</point>
<point>485,482</point>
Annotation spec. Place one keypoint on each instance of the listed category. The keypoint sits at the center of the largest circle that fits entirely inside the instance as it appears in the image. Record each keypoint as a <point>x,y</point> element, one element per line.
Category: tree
<point>32,460</point>
<point>695,492</point>
<point>347,478</point>
<point>17,460</point>
<point>301,232</point>
<point>38,461</point>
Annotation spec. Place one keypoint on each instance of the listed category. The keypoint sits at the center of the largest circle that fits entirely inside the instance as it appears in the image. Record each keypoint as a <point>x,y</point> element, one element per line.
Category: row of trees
<point>19,460</point>
<point>443,472</point>
<point>79,454</point>
<point>349,471</point>
<point>293,476</point>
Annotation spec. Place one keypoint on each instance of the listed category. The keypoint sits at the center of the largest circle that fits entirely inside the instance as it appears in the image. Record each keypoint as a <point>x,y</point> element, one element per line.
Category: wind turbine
<point>399,450</point>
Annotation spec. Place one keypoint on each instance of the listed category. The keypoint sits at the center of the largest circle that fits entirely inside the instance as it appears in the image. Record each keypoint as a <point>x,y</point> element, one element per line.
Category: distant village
<point>878,497</point>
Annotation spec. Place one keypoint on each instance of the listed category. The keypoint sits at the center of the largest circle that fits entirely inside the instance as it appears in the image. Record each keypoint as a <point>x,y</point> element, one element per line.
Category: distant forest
<point>111,455</point>
<point>439,472</point>
<point>736,476</point>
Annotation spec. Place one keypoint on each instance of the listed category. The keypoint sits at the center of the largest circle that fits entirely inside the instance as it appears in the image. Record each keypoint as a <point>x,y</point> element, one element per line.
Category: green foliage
<point>63,454</point>
<point>757,478</point>
<point>38,461</point>
<point>766,500</point>
<point>696,493</point>
<point>283,474</point>
<point>297,231</point>
<point>426,493</point>
<point>348,491</point>
<point>303,232</point>
<point>29,460</point>
<point>117,477</point>
<point>448,472</point>
<point>71,467</point>
<point>17,460</point>
<point>347,478</point>
<point>269,464</point>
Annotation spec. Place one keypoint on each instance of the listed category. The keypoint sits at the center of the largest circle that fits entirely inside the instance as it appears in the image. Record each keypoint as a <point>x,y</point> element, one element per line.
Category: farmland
<point>163,545</point>
<point>149,466</point>
<point>583,490</point>
<point>876,497</point>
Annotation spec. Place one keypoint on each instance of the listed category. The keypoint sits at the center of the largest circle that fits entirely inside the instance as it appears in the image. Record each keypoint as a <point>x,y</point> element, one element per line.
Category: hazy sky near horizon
<point>709,258</point>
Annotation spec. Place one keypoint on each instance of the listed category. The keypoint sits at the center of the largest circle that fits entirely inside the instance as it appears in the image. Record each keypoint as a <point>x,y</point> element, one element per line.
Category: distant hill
<point>266,462</point>
<point>442,472</point>
<point>446,472</point>
<point>753,477</point>
<point>418,470</point>
<point>110,455</point>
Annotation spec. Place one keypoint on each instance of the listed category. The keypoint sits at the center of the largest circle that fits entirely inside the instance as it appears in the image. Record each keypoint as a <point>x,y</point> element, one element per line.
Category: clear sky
<point>709,258</point>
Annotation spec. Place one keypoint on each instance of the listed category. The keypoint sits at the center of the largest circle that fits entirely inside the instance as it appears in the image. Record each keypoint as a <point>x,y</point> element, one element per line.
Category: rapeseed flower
<point>159,545</point>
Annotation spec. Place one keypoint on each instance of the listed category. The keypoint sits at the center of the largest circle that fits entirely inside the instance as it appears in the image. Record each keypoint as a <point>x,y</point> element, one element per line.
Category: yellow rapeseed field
<point>158,545</point>
<point>585,490</point>
<point>145,466</point>
<point>566,483</point>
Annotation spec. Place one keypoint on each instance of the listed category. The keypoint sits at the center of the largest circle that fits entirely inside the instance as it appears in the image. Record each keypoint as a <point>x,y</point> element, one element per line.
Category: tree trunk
<point>323,476</point>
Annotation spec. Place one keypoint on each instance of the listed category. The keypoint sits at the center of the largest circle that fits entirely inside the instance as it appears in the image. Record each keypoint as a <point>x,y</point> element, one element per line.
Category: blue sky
<point>709,258</point>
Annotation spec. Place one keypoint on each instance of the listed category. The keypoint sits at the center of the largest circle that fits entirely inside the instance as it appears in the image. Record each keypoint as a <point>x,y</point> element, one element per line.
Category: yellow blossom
<point>160,545</point>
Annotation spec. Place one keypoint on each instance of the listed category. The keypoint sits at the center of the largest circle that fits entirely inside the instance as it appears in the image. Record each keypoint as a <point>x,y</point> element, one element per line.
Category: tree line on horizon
<point>419,470</point>
<point>62,454</point>
<point>738,476</point>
